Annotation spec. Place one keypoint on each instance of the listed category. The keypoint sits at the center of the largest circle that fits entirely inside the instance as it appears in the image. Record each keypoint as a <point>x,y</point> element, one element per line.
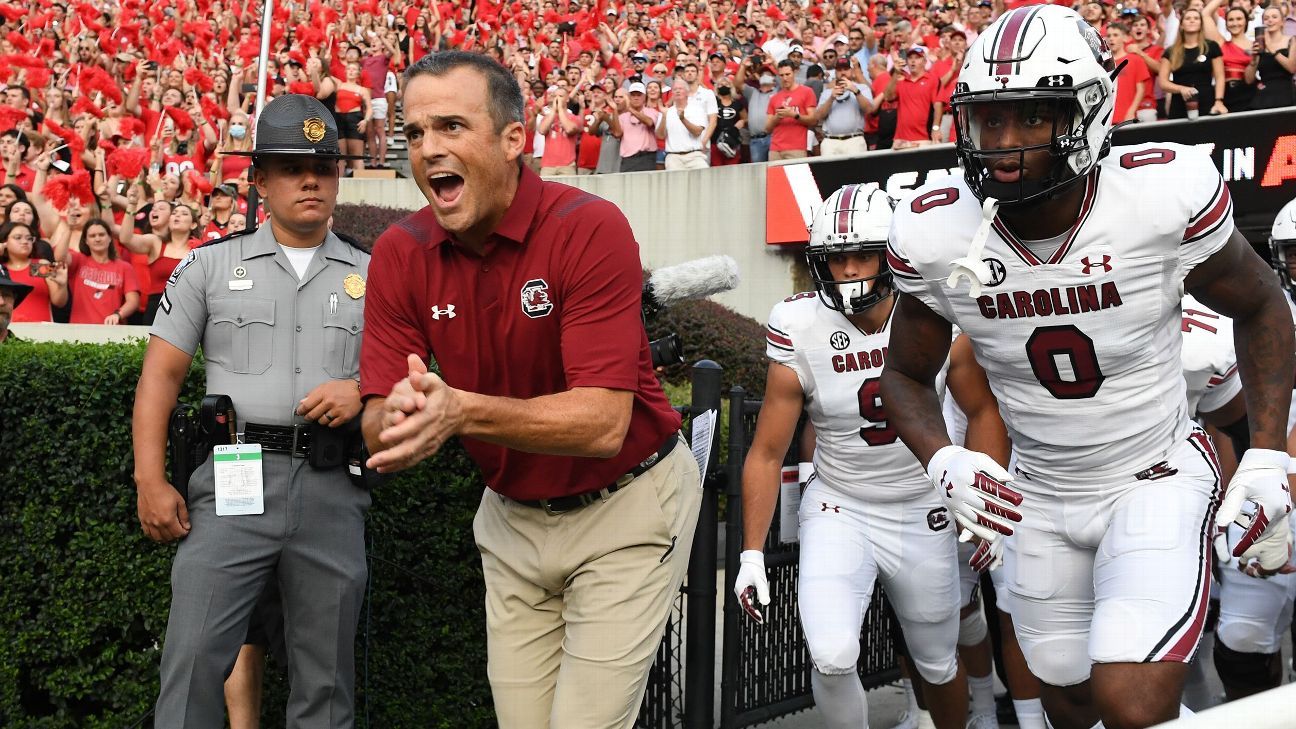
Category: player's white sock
<point>925,720</point>
<point>840,699</point>
<point>1185,711</point>
<point>982,687</point>
<point>1030,713</point>
<point>911,699</point>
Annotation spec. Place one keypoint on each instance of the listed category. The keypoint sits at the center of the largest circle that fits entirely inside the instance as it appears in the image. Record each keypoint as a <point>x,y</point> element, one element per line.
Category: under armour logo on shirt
<point>447,312</point>
<point>1090,265</point>
<point>827,506</point>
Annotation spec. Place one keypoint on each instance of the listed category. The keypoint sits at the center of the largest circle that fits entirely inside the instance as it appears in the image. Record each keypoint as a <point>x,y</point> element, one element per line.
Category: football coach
<point>527,295</point>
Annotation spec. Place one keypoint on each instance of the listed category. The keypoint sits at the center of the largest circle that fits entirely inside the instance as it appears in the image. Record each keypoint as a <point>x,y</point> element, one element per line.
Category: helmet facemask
<point>1280,253</point>
<point>1068,145</point>
<point>849,296</point>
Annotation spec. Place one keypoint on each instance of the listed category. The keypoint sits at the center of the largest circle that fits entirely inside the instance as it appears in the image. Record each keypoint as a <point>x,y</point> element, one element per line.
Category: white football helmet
<point>854,219</point>
<point>1281,239</point>
<point>1036,57</point>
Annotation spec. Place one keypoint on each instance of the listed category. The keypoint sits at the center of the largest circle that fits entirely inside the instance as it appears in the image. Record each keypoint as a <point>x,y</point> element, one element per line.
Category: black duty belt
<point>563,504</point>
<point>292,439</point>
<point>759,135</point>
<point>845,136</point>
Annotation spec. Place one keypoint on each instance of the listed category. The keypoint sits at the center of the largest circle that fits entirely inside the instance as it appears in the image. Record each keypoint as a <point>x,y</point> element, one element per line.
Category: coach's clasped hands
<point>1261,478</point>
<point>751,585</point>
<point>974,487</point>
<point>419,416</point>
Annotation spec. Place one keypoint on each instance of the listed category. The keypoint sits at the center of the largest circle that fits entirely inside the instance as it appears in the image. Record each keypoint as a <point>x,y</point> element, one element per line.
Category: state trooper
<point>279,315</point>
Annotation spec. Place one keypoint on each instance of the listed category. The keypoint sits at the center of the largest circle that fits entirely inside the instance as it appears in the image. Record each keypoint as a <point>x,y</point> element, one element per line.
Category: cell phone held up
<point>41,269</point>
<point>61,159</point>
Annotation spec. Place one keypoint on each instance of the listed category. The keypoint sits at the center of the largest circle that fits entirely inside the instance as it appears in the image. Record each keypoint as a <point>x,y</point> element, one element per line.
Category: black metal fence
<point>765,669</point>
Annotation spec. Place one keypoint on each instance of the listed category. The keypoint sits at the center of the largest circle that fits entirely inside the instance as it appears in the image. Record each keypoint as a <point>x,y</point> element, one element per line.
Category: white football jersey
<point>1081,343</point>
<point>840,369</point>
<point>1209,362</point>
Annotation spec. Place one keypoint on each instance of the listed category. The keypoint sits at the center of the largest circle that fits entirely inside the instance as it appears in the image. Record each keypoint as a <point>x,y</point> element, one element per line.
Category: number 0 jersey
<point>1081,342</point>
<point>840,370</point>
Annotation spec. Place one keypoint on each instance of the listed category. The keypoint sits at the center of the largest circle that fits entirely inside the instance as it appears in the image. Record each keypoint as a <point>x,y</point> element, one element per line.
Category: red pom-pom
<point>301,87</point>
<point>11,13</point>
<point>659,10</point>
<point>183,122</point>
<point>199,182</point>
<point>195,77</point>
<point>10,117</point>
<point>83,105</point>
<point>774,12</point>
<point>130,127</point>
<point>37,78</point>
<point>127,162</point>
<point>93,78</point>
<point>56,191</point>
<point>211,109</point>
<point>18,41</point>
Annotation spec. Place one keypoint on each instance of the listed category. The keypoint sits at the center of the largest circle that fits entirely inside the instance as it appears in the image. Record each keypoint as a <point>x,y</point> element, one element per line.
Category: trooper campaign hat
<point>296,124</point>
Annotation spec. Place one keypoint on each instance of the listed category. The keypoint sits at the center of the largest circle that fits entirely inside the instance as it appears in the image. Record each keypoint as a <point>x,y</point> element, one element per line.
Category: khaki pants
<point>576,602</point>
<point>557,171</point>
<point>686,161</point>
<point>843,147</point>
<point>787,154</point>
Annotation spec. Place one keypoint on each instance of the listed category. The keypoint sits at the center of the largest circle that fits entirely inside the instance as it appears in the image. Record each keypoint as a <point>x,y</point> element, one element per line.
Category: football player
<point>868,512</point>
<point>1065,260</point>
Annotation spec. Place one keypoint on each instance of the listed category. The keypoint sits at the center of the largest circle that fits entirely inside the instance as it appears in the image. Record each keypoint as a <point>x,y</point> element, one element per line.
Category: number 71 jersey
<point>857,452</point>
<point>1080,335</point>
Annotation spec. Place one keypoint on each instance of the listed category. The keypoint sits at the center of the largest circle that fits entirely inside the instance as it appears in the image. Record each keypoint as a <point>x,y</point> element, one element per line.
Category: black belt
<point>845,136</point>
<point>292,439</point>
<point>575,501</point>
<point>760,135</point>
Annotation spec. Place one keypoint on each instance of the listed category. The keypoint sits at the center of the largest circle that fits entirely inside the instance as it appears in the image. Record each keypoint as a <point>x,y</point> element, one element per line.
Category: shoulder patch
<point>181,266</point>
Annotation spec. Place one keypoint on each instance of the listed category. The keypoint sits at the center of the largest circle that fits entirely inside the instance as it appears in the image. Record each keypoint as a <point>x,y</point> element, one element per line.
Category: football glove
<point>1261,478</point>
<point>751,585</point>
<point>973,486</point>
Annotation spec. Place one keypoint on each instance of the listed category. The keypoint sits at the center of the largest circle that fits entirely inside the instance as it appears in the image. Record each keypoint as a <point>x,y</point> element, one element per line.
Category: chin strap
<point>971,266</point>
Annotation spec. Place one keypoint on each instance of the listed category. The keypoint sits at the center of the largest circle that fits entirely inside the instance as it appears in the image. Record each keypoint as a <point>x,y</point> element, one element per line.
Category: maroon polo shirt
<point>552,305</point>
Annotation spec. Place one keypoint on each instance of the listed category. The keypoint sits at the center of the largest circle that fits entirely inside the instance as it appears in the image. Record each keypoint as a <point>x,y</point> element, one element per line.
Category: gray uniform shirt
<point>268,338</point>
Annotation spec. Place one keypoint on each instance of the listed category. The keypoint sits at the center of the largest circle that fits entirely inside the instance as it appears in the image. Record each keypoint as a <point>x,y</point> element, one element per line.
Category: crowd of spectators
<point>116,116</point>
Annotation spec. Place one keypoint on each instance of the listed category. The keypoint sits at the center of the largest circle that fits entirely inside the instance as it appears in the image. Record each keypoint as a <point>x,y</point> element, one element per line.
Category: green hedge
<point>84,597</point>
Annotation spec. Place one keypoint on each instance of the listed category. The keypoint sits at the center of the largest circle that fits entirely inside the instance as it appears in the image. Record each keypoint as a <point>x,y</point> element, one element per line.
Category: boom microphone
<point>696,279</point>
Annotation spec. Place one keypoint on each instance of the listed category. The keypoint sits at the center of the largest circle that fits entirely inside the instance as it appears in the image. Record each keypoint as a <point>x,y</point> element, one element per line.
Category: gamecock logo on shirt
<point>535,298</point>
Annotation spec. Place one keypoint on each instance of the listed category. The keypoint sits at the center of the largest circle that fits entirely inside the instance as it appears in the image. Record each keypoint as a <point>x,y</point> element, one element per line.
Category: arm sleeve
<point>1208,206</point>
<point>391,330</point>
<point>602,332</point>
<point>182,312</point>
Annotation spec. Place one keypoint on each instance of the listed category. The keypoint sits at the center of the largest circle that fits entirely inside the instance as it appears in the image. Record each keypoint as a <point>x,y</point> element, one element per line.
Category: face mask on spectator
<point>722,90</point>
<point>238,131</point>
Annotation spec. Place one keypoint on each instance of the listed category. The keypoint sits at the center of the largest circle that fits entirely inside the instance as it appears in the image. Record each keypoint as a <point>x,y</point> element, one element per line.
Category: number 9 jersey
<point>857,452</point>
<point>1079,335</point>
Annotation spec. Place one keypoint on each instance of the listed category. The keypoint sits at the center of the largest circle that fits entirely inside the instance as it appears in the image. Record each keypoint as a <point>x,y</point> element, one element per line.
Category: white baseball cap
<point>636,88</point>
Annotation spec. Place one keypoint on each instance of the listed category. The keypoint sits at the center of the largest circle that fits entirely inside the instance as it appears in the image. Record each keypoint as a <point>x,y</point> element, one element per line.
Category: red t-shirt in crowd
<point>232,166</point>
<point>1149,86</point>
<point>373,72</point>
<point>25,178</point>
<point>1134,74</point>
<point>560,147</point>
<point>590,145</point>
<point>36,307</point>
<point>787,135</point>
<point>915,96</point>
<point>552,305</point>
<point>98,289</point>
<point>178,164</point>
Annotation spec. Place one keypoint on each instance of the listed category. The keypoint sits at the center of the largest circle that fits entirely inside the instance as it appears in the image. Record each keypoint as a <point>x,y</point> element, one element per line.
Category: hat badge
<point>313,129</point>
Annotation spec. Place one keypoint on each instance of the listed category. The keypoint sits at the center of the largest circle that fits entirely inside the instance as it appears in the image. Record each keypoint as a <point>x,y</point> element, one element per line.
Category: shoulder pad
<point>225,238</point>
